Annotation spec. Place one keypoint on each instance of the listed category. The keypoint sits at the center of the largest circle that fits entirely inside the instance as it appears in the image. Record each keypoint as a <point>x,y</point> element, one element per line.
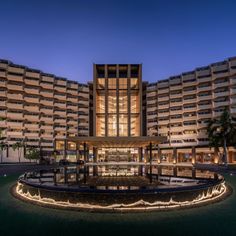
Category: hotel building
<point>117,117</point>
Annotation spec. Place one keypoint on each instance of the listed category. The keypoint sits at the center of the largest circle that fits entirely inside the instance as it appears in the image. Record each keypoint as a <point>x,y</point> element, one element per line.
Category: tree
<point>18,146</point>
<point>32,154</point>
<point>3,144</point>
<point>222,132</point>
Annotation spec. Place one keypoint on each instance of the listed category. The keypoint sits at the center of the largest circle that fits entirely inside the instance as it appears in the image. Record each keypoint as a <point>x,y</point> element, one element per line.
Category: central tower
<point>117,103</point>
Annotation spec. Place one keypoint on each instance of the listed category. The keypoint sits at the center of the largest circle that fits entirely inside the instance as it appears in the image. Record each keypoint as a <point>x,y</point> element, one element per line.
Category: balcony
<point>60,97</point>
<point>207,115</point>
<point>233,90</point>
<point>16,78</point>
<point>14,115</point>
<point>46,103</point>
<point>190,108</point>
<point>233,101</point>
<point>60,89</point>
<point>72,107</point>
<point>47,119</point>
<point>60,129</point>
<point>85,110</point>
<point>32,91</point>
<point>31,100</point>
<point>163,114</point>
<point>16,70</point>
<point>192,100</point>
<point>32,74</point>
<point>163,91</point>
<point>178,120</point>
<point>203,142</point>
<point>61,82</point>
<point>187,118</point>
<point>2,83</point>
<point>32,126</point>
<point>15,106</point>
<point>60,121</point>
<point>204,89</point>
<point>72,92</point>
<point>15,134</point>
<point>31,135</point>
<point>2,74</point>
<point>205,79</point>
<point>15,96</point>
<point>32,117</point>
<point>179,95</point>
<point>176,87</point>
<point>46,136</point>
<point>46,85</point>
<point>46,94</point>
<point>3,104</point>
<point>15,87</point>
<point>219,85</point>
<point>73,100</point>
<point>204,107</point>
<point>202,98</point>
<point>233,110</point>
<point>221,94</point>
<point>223,103</point>
<point>13,124</point>
<point>32,82</point>
<point>176,112</point>
<point>162,99</point>
<point>60,105</point>
<point>189,92</point>
<point>47,127</point>
<point>163,122</point>
<point>151,109</point>
<point>3,93</point>
<point>60,113</point>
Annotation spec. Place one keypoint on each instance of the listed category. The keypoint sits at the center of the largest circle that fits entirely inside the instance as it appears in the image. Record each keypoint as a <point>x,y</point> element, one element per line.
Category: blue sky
<point>66,37</point>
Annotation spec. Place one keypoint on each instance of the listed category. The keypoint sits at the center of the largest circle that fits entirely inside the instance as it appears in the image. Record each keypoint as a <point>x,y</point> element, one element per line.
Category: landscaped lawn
<point>19,218</point>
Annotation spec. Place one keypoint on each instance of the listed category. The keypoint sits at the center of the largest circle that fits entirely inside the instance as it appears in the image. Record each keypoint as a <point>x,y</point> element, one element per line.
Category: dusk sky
<point>66,37</point>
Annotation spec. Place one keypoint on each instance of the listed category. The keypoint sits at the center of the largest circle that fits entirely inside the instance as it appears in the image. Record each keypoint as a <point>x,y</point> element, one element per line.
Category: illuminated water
<point>19,218</point>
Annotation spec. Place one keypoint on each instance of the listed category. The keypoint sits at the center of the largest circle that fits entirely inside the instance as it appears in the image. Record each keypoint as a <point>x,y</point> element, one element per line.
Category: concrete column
<point>65,148</point>
<point>193,155</point>
<point>150,160</point>
<point>174,155</point>
<point>140,160</point>
<point>65,175</point>
<point>77,151</point>
<point>159,155</point>
<point>55,176</point>
<point>175,171</point>
<point>85,160</point>
<point>77,174</point>
<point>193,173</point>
<point>95,168</point>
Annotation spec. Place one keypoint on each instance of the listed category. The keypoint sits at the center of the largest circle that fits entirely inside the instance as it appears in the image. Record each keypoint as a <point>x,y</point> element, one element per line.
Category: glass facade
<point>117,97</point>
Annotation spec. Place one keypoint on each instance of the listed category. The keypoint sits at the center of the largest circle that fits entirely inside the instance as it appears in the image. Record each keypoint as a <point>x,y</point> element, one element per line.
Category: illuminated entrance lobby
<point>117,168</point>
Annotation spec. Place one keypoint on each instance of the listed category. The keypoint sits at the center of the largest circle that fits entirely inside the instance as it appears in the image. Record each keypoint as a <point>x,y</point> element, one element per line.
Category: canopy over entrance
<point>118,142</point>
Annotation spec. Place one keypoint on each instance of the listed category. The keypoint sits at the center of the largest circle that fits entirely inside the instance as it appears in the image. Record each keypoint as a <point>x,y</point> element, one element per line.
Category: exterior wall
<point>39,108</point>
<point>179,107</point>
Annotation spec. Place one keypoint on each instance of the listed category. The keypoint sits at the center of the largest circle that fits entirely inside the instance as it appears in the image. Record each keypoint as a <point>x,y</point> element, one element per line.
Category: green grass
<point>19,218</point>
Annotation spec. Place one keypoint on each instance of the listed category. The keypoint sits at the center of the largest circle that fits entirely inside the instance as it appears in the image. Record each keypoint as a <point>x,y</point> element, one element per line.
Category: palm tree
<point>222,132</point>
<point>3,144</point>
<point>18,146</point>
